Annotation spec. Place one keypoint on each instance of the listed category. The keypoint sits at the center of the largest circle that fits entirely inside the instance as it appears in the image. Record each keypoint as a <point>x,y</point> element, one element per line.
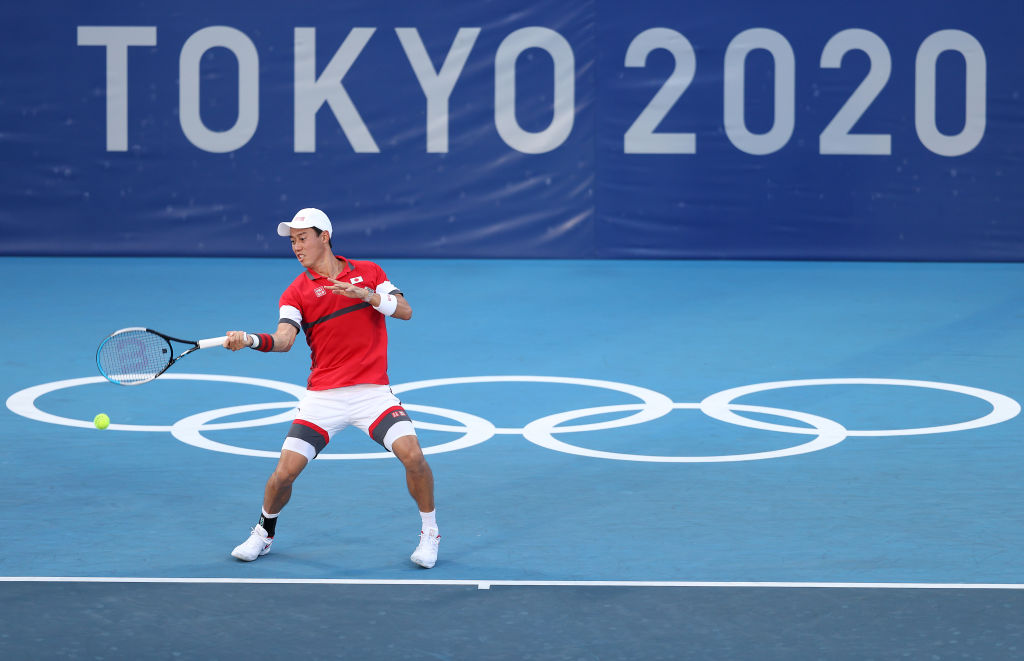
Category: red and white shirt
<point>347,338</point>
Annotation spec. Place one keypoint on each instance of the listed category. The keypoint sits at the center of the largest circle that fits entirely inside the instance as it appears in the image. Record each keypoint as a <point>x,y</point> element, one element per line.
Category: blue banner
<point>553,130</point>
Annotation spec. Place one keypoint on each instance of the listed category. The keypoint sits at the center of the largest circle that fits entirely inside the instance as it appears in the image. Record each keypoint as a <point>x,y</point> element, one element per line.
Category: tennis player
<point>341,305</point>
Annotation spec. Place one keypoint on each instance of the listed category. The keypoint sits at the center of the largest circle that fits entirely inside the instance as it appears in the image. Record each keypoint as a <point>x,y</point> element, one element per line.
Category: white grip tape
<point>212,342</point>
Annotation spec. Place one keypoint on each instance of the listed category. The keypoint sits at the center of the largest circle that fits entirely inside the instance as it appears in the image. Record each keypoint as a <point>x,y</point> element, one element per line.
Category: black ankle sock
<point>268,524</point>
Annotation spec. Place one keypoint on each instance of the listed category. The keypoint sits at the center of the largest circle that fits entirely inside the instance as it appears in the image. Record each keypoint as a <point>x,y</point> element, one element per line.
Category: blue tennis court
<point>715,349</point>
<point>586,454</point>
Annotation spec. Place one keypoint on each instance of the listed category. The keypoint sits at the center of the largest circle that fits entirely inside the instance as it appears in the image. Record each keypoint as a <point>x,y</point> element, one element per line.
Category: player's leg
<point>418,476</point>
<point>278,491</point>
<point>387,422</point>
<point>276,494</point>
<point>393,429</point>
<point>305,440</point>
<point>420,480</point>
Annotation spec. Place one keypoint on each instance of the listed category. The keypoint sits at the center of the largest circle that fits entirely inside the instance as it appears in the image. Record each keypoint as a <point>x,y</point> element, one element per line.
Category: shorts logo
<point>356,280</point>
<point>319,291</point>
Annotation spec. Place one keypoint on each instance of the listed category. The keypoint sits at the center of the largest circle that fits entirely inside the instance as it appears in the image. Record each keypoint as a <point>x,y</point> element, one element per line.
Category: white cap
<point>306,218</point>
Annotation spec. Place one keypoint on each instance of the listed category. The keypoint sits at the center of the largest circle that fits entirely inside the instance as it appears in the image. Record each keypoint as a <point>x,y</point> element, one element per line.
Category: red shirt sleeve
<point>290,297</point>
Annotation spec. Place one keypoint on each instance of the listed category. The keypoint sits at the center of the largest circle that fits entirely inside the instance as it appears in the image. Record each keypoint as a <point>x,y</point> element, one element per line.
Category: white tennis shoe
<point>258,544</point>
<point>425,554</point>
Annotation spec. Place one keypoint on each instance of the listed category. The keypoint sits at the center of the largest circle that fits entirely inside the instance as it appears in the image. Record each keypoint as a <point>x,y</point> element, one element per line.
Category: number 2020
<point>836,138</point>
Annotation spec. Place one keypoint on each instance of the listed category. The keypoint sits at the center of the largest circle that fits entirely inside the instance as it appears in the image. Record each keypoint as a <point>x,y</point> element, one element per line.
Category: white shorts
<point>323,413</point>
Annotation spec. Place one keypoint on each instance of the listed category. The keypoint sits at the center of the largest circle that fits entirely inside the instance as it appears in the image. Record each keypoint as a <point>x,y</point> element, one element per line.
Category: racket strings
<point>134,356</point>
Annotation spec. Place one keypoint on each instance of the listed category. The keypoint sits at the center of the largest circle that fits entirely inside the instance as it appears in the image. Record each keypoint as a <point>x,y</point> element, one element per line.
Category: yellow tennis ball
<point>102,421</point>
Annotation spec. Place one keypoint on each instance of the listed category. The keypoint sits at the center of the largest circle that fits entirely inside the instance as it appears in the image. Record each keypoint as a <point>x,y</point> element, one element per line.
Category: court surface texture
<point>633,459</point>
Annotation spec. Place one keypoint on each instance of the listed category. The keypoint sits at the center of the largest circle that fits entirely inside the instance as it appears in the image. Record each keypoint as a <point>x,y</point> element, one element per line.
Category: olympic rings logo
<point>474,429</point>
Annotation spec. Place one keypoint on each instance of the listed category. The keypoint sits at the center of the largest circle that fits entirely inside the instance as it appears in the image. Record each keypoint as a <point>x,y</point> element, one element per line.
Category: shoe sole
<point>423,564</point>
<point>261,554</point>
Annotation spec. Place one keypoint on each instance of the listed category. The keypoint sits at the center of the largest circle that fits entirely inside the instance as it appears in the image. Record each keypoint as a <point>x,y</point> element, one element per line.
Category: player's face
<point>307,246</point>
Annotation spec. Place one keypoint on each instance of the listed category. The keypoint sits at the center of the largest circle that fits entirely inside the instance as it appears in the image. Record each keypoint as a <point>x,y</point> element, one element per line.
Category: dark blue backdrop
<point>536,163</point>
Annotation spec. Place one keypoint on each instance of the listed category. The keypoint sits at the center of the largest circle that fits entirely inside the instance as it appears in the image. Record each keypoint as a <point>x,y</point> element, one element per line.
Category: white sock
<point>429,520</point>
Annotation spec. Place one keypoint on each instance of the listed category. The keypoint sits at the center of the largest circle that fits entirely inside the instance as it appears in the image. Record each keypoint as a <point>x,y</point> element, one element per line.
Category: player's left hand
<point>346,289</point>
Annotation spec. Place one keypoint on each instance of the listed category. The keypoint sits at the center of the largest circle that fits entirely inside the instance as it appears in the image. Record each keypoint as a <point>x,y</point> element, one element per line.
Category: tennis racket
<point>133,356</point>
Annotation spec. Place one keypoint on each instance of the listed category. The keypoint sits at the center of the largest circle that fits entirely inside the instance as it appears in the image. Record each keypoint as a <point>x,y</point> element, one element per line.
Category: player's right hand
<point>237,340</point>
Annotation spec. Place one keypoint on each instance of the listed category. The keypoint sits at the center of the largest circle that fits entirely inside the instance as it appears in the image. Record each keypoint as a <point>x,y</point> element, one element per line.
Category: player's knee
<point>418,464</point>
<point>283,477</point>
<point>407,449</point>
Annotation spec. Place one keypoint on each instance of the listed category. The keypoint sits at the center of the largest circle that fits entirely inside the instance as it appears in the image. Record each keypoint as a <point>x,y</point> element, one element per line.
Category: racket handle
<point>212,342</point>
<point>219,341</point>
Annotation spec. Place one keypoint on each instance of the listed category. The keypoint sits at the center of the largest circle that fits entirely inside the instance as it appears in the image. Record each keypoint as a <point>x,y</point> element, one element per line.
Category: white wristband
<point>388,305</point>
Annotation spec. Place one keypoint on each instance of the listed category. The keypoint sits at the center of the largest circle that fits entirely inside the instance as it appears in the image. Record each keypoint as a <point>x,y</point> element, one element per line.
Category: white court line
<point>486,584</point>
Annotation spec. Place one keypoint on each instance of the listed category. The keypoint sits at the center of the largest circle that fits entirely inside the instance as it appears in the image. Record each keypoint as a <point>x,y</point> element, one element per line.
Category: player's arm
<point>280,340</point>
<point>402,311</point>
<point>382,302</point>
<point>284,337</point>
